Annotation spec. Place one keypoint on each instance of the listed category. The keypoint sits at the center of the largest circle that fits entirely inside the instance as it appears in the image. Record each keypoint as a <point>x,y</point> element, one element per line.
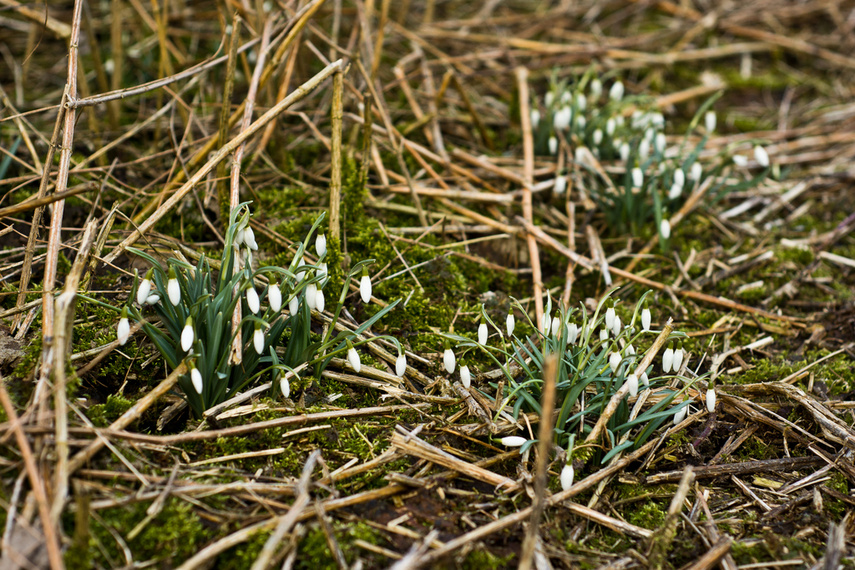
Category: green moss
<point>104,414</point>
<point>482,558</point>
<point>314,553</point>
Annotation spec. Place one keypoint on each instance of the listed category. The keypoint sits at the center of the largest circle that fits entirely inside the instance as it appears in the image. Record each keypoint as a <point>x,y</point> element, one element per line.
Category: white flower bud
<point>711,400</point>
<point>123,332</point>
<point>274,297</point>
<point>482,333</point>
<point>553,145</point>
<point>320,301</point>
<point>249,239</point>
<point>400,365</point>
<point>293,305</point>
<point>659,143</point>
<point>675,191</point>
<point>667,360</point>
<point>610,317</point>
<point>679,177</point>
<point>665,229</point>
<point>645,381</point>
<point>561,118</point>
<point>285,386</point>
<point>535,118</point>
<point>566,477</point>
<point>596,88</point>
<point>740,160</point>
<point>556,326</point>
<point>637,177</point>
<point>624,151</point>
<point>549,98</point>
<point>560,185</point>
<point>604,334</point>
<point>761,156</point>
<point>616,326</point>
<point>695,171</point>
<point>311,296</point>
<point>196,379</point>
<point>643,151</point>
<point>709,121</point>
<point>321,244</point>
<point>610,127</point>
<point>545,324</point>
<point>645,319</point>
<point>581,101</point>
<point>572,333</point>
<point>632,381</point>
<point>353,359</point>
<point>681,415</point>
<point>187,335</point>
<point>616,91</point>
<point>678,360</point>
<point>174,291</point>
<point>465,376</point>
<point>510,324</point>
<point>238,241</point>
<point>152,300</point>
<point>513,441</point>
<point>448,360</point>
<point>252,300</point>
<point>365,288</point>
<point>581,122</point>
<point>629,350</point>
<point>143,291</point>
<point>614,361</point>
<point>258,340</point>
<point>597,137</point>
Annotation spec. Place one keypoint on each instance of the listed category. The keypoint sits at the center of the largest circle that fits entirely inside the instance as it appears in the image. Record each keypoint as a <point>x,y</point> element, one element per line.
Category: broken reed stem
<point>51,539</point>
<point>335,159</point>
<point>618,396</point>
<point>528,181</point>
<point>297,95</point>
<point>544,448</point>
<point>223,132</point>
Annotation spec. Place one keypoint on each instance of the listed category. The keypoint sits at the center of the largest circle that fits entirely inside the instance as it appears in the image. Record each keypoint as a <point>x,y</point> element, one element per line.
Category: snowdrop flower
<point>616,91</point>
<point>400,364</point>
<point>561,119</point>
<point>667,360</point>
<point>293,305</point>
<point>596,88</point>
<point>549,99</point>
<point>581,122</point>
<point>665,229</point>
<point>545,323</point>
<point>610,317</point>
<point>196,379</point>
<point>249,239</point>
<point>152,300</point>
<point>323,271</point>
<point>274,296</point>
<point>572,333</point>
<point>353,358</point>
<point>675,191</point>
<point>123,332</point>
<point>645,319</point>
<point>465,376</point>
<point>365,287</point>
<point>566,477</point>
<point>761,156</point>
<point>629,350</point>
<point>187,335</point>
<point>659,143</point>
<point>173,290</point>
<point>510,324</point>
<point>560,185</point>
<point>581,101</point>
<point>144,289</point>
<point>740,160</point>
<point>321,244</point>
<point>604,334</point>
<point>645,381</point>
<point>556,326</point>
<point>579,155</point>
<point>632,382</point>
<point>320,302</point>
<point>448,360</point>
<point>285,387</point>
<point>597,137</point>
<point>311,296</point>
<point>709,121</point>
<point>614,361</point>
<point>643,150</point>
<point>482,332</point>
<point>678,358</point>
<point>711,399</point>
<point>637,177</point>
<point>649,133</point>
<point>680,415</point>
<point>566,96</point>
<point>624,151</point>
<point>258,339</point>
<point>238,241</point>
<point>616,328</point>
<point>610,126</point>
<point>535,118</point>
<point>637,119</point>
<point>513,441</point>
<point>252,300</point>
<point>695,171</point>
<point>658,120</point>
<point>679,177</point>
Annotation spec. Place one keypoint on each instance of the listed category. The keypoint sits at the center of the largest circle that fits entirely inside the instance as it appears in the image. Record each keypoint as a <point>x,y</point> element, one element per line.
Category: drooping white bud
<point>665,229</point>
<point>274,297</point>
<point>510,324</point>
<point>465,376</point>
<point>545,323</point>
<point>632,381</point>
<point>513,441</point>
<point>645,319</point>
<point>614,361</point>
<point>659,143</point>
<point>675,191</point>
<point>285,387</point>
<point>187,335</point>
<point>561,118</point>
<point>679,177</point>
<point>629,350</point>
<point>678,359</point>
<point>482,333</point>
<point>311,296</point>
<point>645,381</point>
<point>400,365</point>
<point>320,301</point>
<point>143,291</point>
<point>610,317</point>
<point>123,332</point>
<point>258,339</point>
<point>695,171</point>
<point>643,150</point>
<point>321,245</point>
<point>572,333</point>
<point>596,88</point>
<point>680,415</point>
<point>761,156</point>
<point>740,160</point>
<point>667,360</point>
<point>353,359</point>
<point>560,185</point>
<point>196,379</point>
<point>610,126</point>
<point>152,300</point>
<point>549,98</point>
<point>293,305</point>
<point>581,122</point>
<point>616,91</point>
<point>535,118</point>
<point>624,151</point>
<point>566,477</point>
<point>238,241</point>
<point>249,239</point>
<point>581,101</point>
<point>448,360</point>
<point>252,300</point>
<point>597,137</point>
<point>709,121</point>
<point>637,177</point>
<point>174,291</point>
<point>553,145</point>
<point>604,334</point>
<point>616,326</point>
<point>711,400</point>
<point>365,288</point>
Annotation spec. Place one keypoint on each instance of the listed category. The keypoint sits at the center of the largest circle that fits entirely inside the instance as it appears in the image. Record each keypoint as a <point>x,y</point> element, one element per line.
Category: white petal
<point>680,177</point>
<point>675,192</point>
<point>610,317</point>
<point>258,340</point>
<point>604,334</point>
<point>365,289</point>
<point>196,379</point>
<point>616,91</point>
<point>320,302</point>
<point>610,127</point>
<point>285,387</point>
<point>572,333</point>
<point>566,477</point>
<point>465,377</point>
<point>645,319</point>
<point>510,324</point>
<point>274,297</point>
<point>252,300</point>
<point>597,137</point>
<point>143,291</point>
<point>556,326</point>
<point>124,330</point>
<point>678,360</point>
<point>321,244</point>
<point>632,380</point>
<point>761,156</point>
<point>249,239</point>
<point>187,338</point>
<point>709,121</point>
<point>448,360</point>
<point>513,441</point>
<point>681,415</point>
<point>665,229</point>
<point>311,295</point>
<point>667,360</point>
<point>637,178</point>
<point>645,381</point>
<point>695,171</point>
<point>596,88</point>
<point>740,160</point>
<point>353,359</point>
<point>624,151</point>
<point>152,300</point>
<point>294,305</point>
<point>174,291</point>
<point>659,143</point>
<point>400,365</point>
<point>711,400</point>
<point>614,361</point>
<point>616,328</point>
<point>553,145</point>
<point>535,118</point>
<point>560,185</point>
<point>643,153</point>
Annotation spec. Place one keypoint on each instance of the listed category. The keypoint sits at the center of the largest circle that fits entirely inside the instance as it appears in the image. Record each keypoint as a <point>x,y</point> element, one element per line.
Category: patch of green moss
<point>314,553</point>
<point>104,414</point>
